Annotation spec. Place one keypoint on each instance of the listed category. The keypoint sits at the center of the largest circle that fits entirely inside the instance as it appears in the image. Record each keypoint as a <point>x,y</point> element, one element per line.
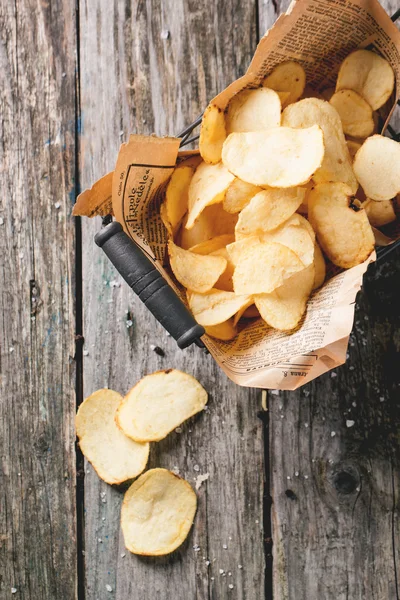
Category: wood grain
<point>152,66</point>
<point>334,454</point>
<point>37,373</point>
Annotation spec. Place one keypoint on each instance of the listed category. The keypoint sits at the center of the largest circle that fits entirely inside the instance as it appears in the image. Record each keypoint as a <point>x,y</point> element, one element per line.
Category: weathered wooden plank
<point>37,373</point>
<point>151,66</point>
<point>334,455</point>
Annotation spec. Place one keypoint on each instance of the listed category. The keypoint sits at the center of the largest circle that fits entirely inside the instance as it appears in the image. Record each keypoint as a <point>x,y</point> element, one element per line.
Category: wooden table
<point>302,501</point>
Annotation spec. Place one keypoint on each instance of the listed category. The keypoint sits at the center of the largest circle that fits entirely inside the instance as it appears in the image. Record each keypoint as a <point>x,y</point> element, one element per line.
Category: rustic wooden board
<point>37,372</point>
<point>335,454</point>
<point>152,66</point>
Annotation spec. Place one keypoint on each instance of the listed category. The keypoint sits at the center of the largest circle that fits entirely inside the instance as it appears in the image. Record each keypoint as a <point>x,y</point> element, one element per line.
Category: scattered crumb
<point>108,587</point>
<point>178,429</point>
<point>200,479</point>
<point>208,562</point>
<point>349,423</point>
<point>333,374</point>
<point>100,540</point>
<point>381,399</point>
<point>196,548</point>
<point>86,353</point>
<point>297,473</point>
<point>333,433</point>
<point>275,392</point>
<point>164,34</point>
<point>11,349</point>
<point>305,476</point>
<point>175,470</point>
<point>240,566</point>
<point>257,521</point>
<point>354,404</point>
<point>305,424</point>
<point>225,547</point>
<point>103,518</point>
<point>196,468</point>
<point>229,574</point>
<point>231,586</point>
<point>57,205</point>
<point>13,590</point>
<point>221,572</point>
<point>129,323</point>
<point>2,223</point>
<point>123,555</point>
<point>288,477</point>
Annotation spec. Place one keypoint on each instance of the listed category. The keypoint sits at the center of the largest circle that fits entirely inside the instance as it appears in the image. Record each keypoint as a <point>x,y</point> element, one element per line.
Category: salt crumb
<point>305,424</point>
<point>175,470</point>
<point>351,368</point>
<point>129,323</point>
<point>275,392</point>
<point>333,374</point>
<point>63,74</point>
<point>200,479</point>
<point>19,474</point>
<point>212,578</point>
<point>288,477</point>
<point>305,476</point>
<point>57,205</point>
<point>103,494</point>
<point>13,590</point>
<point>297,473</point>
<point>333,433</point>
<point>306,393</point>
<point>354,404</point>
<point>164,34</point>
<point>230,538</point>
<point>349,423</point>
<point>108,587</point>
<point>280,406</point>
<point>121,133</point>
<point>221,572</point>
<point>282,416</point>
<point>225,547</point>
<point>231,586</point>
<point>208,562</point>
<point>196,468</point>
<point>100,540</point>
<point>123,555</point>
<point>229,574</point>
<point>104,500</point>
<point>196,548</point>
<point>103,518</point>
<point>381,399</point>
<point>11,350</point>
<point>178,429</point>
<point>153,346</point>
<point>240,566</point>
<point>2,223</point>
<point>86,353</point>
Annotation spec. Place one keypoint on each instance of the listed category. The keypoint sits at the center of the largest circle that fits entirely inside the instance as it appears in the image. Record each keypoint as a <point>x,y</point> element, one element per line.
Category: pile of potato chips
<point>287,180</point>
<point>114,435</point>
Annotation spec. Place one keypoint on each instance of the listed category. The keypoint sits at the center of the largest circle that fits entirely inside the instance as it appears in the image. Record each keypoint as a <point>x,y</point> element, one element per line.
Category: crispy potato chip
<point>210,246</point>
<point>283,97</point>
<point>369,75</point>
<point>377,167</point>
<point>336,164</point>
<point>197,272</point>
<point>225,279</point>
<point>164,219</point>
<point>158,403</point>
<point>176,196</point>
<point>213,221</point>
<point>191,160</point>
<point>157,513</point>
<point>297,234</point>
<point>262,268</point>
<point>114,457</point>
<point>216,306</point>
<point>238,195</point>
<point>269,209</point>
<point>281,157</point>
<point>319,267</point>
<point>290,77</point>
<point>353,147</point>
<point>236,248</point>
<point>241,312</point>
<point>284,307</point>
<point>212,134</point>
<point>344,234</point>
<point>251,313</point>
<point>224,331</point>
<point>208,186</point>
<point>354,112</point>
<point>253,110</point>
<point>379,213</point>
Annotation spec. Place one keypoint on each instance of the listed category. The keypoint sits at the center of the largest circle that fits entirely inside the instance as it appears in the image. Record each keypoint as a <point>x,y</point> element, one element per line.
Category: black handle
<point>147,282</point>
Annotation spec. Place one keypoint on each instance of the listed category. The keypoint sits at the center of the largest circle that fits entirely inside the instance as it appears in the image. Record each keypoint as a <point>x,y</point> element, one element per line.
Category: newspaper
<point>319,34</point>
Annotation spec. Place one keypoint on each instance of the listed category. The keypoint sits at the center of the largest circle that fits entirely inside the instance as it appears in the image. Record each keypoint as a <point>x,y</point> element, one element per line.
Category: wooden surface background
<point>314,481</point>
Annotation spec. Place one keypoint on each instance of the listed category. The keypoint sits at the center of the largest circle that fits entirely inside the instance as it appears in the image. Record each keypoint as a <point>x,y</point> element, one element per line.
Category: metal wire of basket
<point>381,251</point>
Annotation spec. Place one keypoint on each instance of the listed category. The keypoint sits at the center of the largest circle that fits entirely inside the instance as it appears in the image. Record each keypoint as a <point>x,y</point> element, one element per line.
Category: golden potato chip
<point>269,209</point>
<point>262,268</point>
<point>209,246</point>
<point>241,312</point>
<point>225,279</point>
<point>213,221</point>
<point>114,457</point>
<point>284,307</point>
<point>336,164</point>
<point>236,248</point>
<point>283,97</point>
<point>353,147</point>
<point>344,234</point>
<point>379,213</point>
<point>176,196</point>
<point>290,77</point>
<point>216,306</point>
<point>157,513</point>
<point>319,267</point>
<point>212,134</point>
<point>251,312</point>
<point>208,186</point>
<point>281,157</point>
<point>354,112</point>
<point>224,331</point>
<point>297,234</point>
<point>158,403</point>
<point>197,272</point>
<point>164,219</point>
<point>369,75</point>
<point>253,110</point>
<point>377,167</point>
<point>238,195</point>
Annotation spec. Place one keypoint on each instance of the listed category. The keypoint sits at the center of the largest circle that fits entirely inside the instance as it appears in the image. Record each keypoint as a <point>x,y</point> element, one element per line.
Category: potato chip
<point>225,279</point>
<point>262,268</point>
<point>208,186</point>
<point>281,157</point>
<point>210,246</point>
<point>212,134</point>
<point>251,312</point>
<point>290,77</point>
<point>269,209</point>
<point>319,267</point>
<point>344,234</point>
<point>377,167</point>
<point>114,457</point>
<point>164,219</point>
<point>253,110</point>
<point>284,307</point>
<point>238,195</point>
<point>283,97</point>
<point>236,248</point>
<point>241,312</point>
<point>197,272</point>
<point>216,306</point>
<point>158,403</point>
<point>353,147</point>
<point>297,234</point>
<point>213,221</point>
<point>336,164</point>
<point>369,75</point>
<point>224,331</point>
<point>379,213</point>
<point>354,112</point>
<point>176,196</point>
<point>157,513</point>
